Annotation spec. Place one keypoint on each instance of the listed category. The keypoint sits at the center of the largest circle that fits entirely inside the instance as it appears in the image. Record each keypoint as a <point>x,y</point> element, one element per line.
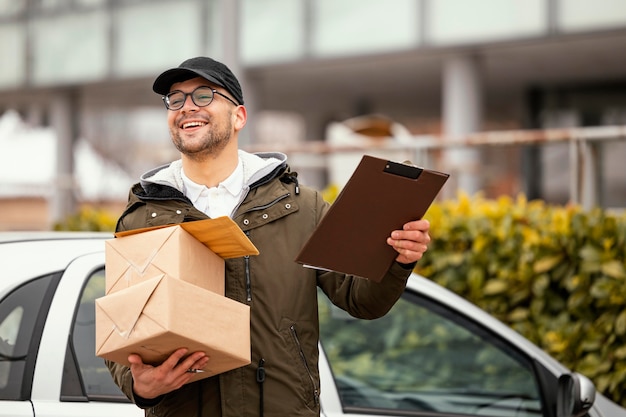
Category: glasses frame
<point>213,91</point>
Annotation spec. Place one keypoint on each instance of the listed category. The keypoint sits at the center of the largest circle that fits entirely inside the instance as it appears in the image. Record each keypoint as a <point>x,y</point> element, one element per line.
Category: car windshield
<point>423,357</point>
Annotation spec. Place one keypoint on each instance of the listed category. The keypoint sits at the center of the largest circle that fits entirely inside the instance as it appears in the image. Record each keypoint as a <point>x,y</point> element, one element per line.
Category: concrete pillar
<point>230,26</point>
<point>462,115</point>
<point>62,118</point>
<point>229,13</point>
<point>34,115</point>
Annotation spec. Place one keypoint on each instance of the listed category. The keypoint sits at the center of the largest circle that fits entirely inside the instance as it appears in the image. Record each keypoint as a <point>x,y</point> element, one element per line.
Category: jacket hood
<point>256,166</point>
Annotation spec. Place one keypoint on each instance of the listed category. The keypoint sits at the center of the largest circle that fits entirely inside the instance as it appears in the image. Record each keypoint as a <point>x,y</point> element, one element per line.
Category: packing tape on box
<point>140,268</point>
<point>124,334</point>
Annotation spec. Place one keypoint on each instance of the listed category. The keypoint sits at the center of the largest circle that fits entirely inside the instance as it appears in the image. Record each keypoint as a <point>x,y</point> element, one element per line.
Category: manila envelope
<point>158,316</point>
<point>221,235</point>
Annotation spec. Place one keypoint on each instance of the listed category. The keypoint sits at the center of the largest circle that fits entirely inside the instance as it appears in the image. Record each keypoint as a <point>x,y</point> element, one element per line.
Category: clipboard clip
<point>403,170</point>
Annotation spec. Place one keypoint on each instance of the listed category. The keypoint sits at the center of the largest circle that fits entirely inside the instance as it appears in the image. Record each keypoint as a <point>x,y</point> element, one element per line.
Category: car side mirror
<point>575,395</point>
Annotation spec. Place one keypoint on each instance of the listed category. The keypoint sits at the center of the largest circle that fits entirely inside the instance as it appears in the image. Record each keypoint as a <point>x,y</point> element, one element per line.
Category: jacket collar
<point>257,168</point>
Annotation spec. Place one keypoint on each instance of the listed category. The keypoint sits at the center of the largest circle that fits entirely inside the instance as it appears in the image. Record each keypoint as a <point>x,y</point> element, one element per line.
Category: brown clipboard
<point>380,196</point>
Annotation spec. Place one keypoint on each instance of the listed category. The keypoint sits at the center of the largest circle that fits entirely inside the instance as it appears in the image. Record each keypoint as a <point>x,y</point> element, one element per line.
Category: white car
<point>434,354</point>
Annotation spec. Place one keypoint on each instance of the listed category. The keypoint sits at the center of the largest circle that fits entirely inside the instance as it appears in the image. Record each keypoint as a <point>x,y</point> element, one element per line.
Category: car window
<point>423,357</point>
<point>94,377</point>
<point>9,329</point>
<point>22,314</point>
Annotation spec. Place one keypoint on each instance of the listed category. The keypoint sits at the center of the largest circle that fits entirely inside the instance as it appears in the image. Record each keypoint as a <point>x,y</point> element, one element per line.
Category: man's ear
<point>240,116</point>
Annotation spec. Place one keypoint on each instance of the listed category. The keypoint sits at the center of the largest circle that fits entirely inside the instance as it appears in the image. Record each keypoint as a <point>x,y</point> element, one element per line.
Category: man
<point>214,178</point>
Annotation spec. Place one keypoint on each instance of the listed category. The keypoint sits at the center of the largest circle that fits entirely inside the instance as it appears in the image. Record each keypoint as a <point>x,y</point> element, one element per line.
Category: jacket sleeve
<point>124,379</point>
<point>363,298</point>
<point>360,297</point>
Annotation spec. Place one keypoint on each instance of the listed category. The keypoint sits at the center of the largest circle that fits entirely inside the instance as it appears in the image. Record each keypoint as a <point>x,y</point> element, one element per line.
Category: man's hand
<point>411,242</point>
<point>151,381</point>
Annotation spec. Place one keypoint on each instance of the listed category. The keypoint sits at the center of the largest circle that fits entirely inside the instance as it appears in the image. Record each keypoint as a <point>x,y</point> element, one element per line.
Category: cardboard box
<point>171,251</point>
<point>165,290</point>
<point>161,314</point>
<point>193,252</point>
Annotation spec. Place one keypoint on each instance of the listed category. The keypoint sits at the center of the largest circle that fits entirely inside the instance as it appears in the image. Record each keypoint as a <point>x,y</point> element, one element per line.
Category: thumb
<point>135,359</point>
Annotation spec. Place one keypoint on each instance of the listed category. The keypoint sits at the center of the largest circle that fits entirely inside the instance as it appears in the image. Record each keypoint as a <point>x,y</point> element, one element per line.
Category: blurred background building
<point>508,96</point>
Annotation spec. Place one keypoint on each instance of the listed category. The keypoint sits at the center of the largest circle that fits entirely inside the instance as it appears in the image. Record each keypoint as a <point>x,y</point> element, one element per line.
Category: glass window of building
<point>91,3</point>
<point>485,20</point>
<point>52,4</point>
<point>48,5</point>
<point>272,30</point>
<point>11,7</point>
<point>588,15</point>
<point>153,36</point>
<point>12,55</point>
<point>364,26</point>
<point>70,48</point>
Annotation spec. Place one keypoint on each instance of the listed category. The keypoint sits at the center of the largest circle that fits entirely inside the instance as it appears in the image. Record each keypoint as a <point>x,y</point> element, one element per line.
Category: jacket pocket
<point>309,380</point>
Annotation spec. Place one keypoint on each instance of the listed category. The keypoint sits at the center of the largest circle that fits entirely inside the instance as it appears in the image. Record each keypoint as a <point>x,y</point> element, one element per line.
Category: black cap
<point>204,67</point>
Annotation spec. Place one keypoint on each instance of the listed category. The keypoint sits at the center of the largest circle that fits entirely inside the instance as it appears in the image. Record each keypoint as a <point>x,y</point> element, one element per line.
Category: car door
<point>69,379</point>
<point>424,359</point>
<point>20,333</point>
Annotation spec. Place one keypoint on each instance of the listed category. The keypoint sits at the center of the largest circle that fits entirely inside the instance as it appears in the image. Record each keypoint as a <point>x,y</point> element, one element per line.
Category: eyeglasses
<point>201,97</point>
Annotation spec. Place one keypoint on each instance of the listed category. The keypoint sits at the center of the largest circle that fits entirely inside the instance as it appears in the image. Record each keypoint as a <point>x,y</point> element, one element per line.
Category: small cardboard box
<point>159,315</point>
<point>193,252</point>
<point>171,251</point>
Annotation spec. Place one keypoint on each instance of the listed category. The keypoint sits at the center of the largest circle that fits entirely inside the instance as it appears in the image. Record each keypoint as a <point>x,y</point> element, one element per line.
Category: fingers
<point>411,242</point>
<point>173,361</point>
<point>151,381</point>
<point>200,363</point>
<point>416,231</point>
<point>196,360</point>
<point>422,225</point>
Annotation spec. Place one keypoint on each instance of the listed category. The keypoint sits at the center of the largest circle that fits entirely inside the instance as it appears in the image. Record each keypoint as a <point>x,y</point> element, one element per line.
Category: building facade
<point>445,68</point>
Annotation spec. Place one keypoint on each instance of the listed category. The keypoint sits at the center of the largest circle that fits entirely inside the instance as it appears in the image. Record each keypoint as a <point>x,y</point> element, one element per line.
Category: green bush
<point>555,274</point>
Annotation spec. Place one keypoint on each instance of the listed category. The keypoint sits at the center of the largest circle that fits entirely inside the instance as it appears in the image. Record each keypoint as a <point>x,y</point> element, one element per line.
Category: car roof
<point>26,235</point>
<point>26,255</point>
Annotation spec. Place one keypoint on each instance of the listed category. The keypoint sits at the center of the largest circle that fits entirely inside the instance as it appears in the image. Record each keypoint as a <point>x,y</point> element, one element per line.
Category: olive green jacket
<point>278,216</point>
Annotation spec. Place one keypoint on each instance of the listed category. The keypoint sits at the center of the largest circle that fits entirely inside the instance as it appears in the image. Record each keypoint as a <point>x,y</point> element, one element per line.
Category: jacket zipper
<point>246,261</point>
<point>316,394</point>
<point>246,258</point>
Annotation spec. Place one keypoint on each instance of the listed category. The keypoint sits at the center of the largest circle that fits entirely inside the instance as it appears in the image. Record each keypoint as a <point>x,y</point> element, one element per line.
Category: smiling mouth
<point>189,125</point>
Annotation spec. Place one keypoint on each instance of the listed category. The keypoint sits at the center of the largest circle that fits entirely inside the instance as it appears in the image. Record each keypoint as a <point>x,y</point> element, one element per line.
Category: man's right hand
<point>151,381</point>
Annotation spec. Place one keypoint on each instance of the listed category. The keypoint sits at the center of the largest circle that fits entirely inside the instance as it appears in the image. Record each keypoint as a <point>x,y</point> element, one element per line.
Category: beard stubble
<point>210,145</point>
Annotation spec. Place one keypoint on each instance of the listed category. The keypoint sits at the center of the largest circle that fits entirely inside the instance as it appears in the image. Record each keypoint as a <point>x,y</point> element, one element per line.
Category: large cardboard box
<point>165,290</point>
<point>193,252</point>
<point>159,315</point>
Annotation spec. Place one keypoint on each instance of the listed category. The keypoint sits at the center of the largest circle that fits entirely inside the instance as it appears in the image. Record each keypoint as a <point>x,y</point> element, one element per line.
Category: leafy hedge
<point>555,274</point>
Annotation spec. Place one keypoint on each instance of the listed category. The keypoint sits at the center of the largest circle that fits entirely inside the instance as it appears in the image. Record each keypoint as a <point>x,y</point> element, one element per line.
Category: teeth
<point>193,124</point>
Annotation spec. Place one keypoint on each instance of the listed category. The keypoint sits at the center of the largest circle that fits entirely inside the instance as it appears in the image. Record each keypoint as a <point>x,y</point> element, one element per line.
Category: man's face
<point>201,132</point>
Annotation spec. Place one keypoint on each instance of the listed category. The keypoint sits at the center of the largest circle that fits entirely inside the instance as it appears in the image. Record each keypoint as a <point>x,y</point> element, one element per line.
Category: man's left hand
<point>411,242</point>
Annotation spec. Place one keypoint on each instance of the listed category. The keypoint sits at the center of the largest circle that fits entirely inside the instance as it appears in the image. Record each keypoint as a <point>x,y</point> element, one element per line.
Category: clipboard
<point>380,196</point>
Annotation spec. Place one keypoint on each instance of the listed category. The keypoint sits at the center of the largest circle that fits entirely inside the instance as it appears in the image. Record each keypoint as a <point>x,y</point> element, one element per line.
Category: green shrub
<point>555,274</point>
